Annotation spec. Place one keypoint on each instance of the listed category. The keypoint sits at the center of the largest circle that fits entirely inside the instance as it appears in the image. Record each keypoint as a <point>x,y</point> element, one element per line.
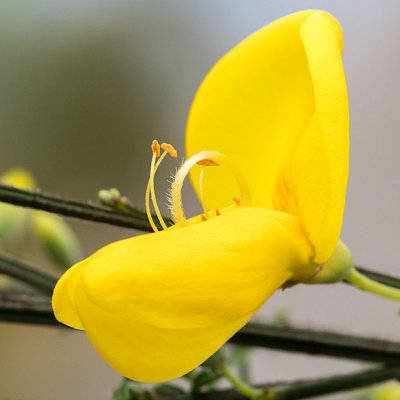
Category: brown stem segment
<point>26,310</point>
<point>74,208</point>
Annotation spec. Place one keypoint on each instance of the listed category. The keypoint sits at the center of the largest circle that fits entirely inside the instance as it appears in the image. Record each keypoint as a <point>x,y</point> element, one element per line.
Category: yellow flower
<point>273,115</point>
<point>13,218</point>
<point>387,391</point>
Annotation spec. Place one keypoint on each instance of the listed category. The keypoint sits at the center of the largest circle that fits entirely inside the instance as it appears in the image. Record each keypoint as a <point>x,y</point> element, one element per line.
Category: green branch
<point>133,218</point>
<point>27,274</point>
<point>381,278</point>
<point>305,389</point>
<point>253,334</point>
<point>318,342</point>
<point>27,309</point>
<point>291,339</point>
<point>74,208</point>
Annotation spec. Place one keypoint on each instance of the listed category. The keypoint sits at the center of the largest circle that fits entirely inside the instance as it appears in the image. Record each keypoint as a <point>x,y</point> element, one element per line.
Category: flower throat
<point>204,159</point>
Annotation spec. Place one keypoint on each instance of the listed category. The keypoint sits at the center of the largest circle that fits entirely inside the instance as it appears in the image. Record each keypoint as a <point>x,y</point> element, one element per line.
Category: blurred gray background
<point>85,85</point>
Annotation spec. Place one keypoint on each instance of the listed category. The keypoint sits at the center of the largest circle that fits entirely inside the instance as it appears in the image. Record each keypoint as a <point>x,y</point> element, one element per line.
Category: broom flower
<point>267,153</point>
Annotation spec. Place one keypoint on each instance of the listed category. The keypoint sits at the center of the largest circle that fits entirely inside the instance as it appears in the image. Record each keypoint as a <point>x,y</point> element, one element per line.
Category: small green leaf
<point>121,393</point>
<point>128,390</point>
<point>240,357</point>
<point>216,361</point>
<point>204,378</point>
<point>167,389</point>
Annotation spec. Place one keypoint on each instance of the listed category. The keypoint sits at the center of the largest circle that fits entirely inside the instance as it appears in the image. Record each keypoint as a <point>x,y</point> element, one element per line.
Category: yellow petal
<point>279,95</point>
<point>64,297</point>
<point>158,305</point>
<point>315,173</point>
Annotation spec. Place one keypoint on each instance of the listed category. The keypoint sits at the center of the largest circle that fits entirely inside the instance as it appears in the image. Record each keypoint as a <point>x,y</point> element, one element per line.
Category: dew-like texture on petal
<point>158,305</point>
<point>277,105</point>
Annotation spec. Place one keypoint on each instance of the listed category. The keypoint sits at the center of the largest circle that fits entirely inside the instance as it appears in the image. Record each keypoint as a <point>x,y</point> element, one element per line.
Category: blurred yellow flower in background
<point>13,218</point>
<point>52,232</point>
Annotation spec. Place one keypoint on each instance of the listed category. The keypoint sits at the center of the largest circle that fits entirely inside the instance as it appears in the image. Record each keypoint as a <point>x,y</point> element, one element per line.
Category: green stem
<point>241,386</point>
<point>318,342</point>
<point>305,389</point>
<point>28,309</point>
<point>27,274</point>
<point>74,208</point>
<point>33,310</point>
<point>377,276</point>
<point>369,285</point>
<point>335,384</point>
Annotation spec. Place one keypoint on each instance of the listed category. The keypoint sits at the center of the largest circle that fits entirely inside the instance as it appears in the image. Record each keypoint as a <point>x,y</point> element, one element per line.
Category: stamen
<point>176,188</point>
<point>236,200</point>
<point>150,185</point>
<point>217,212</point>
<point>202,199</point>
<point>203,218</point>
<point>169,149</point>
<point>147,197</point>
<point>208,163</point>
<point>155,148</point>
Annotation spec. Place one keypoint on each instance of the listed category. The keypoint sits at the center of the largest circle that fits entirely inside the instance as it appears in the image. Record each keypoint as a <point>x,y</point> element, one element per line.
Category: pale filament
<point>150,185</point>
<point>176,188</point>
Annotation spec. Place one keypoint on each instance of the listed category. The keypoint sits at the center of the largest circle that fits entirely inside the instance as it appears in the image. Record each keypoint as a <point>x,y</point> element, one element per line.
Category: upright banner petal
<point>277,105</point>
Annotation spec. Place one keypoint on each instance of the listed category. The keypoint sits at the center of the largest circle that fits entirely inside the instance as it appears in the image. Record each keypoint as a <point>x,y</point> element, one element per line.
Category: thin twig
<point>305,389</point>
<point>381,278</point>
<point>74,208</point>
<point>291,339</point>
<point>135,218</point>
<point>27,274</point>
<point>37,310</point>
<point>27,309</point>
<point>319,342</point>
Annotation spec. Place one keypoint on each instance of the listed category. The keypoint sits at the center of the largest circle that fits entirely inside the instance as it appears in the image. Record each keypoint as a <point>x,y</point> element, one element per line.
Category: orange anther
<point>208,162</point>
<point>169,149</point>
<point>217,213</point>
<point>203,218</point>
<point>155,148</point>
<point>237,201</point>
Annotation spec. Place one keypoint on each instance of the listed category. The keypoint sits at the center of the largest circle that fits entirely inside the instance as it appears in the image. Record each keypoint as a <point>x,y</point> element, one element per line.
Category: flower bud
<point>387,391</point>
<point>336,268</point>
<point>13,218</point>
<point>56,238</point>
<point>109,197</point>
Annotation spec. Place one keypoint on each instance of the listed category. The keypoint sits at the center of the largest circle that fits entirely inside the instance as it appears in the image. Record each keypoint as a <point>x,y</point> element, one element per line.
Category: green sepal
<point>336,268</point>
